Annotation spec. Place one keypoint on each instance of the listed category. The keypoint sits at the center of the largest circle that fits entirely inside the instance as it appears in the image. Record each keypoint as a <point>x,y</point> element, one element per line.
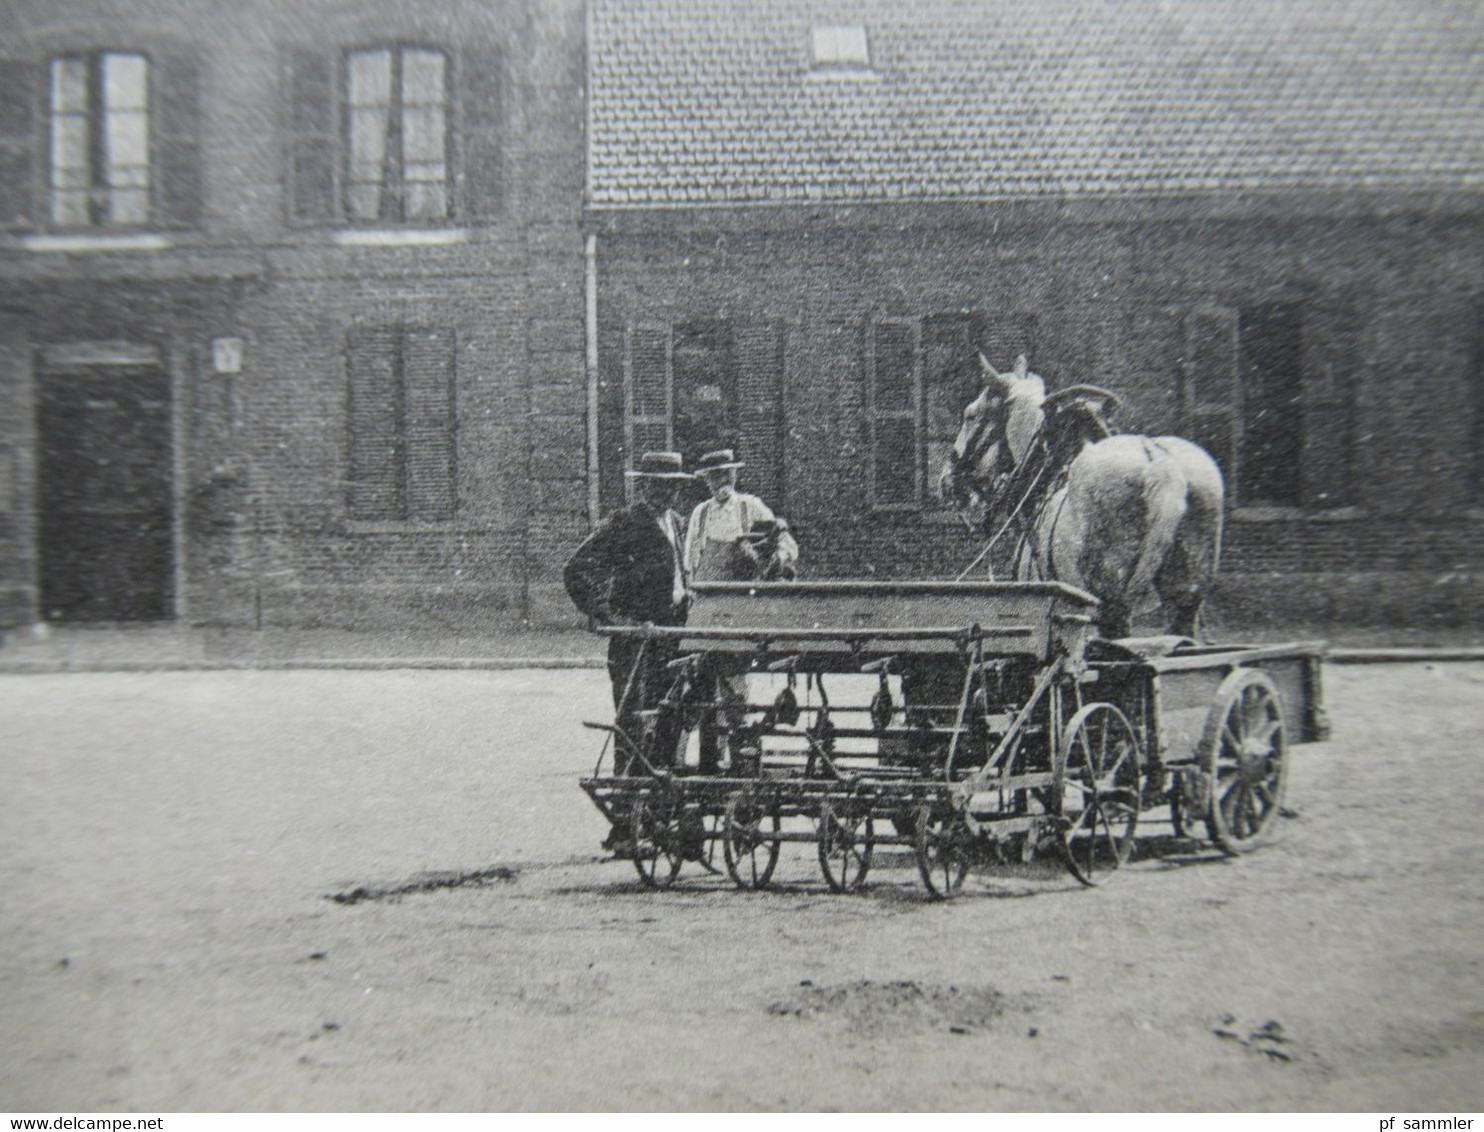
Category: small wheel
<point>1102,786</point>
<point>1244,754</point>
<point>658,841</point>
<point>846,844</point>
<point>750,840</point>
<point>942,856</point>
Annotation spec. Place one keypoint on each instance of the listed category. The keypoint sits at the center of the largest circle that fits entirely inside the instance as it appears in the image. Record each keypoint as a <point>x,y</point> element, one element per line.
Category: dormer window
<point>839,48</point>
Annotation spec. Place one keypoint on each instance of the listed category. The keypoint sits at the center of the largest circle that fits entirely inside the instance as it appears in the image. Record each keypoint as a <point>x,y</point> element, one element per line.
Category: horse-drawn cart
<point>974,722</point>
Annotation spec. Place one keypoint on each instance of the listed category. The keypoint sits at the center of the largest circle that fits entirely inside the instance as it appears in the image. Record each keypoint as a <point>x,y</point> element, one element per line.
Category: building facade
<point>290,300</point>
<point>1262,226</point>
<point>312,316</point>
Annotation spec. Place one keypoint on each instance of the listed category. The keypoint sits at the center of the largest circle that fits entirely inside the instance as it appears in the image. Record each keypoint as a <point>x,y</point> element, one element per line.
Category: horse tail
<point>1166,498</point>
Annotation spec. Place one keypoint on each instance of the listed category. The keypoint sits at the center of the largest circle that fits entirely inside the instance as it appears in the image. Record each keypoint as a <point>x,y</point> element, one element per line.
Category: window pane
<point>426,202</point>
<point>126,137</point>
<point>422,78</point>
<point>422,133</point>
<point>894,462</point>
<point>128,206</point>
<point>370,78</point>
<point>69,147</point>
<point>425,174</point>
<point>365,202</point>
<point>895,358</point>
<point>69,86</point>
<point>124,86</point>
<point>70,206</point>
<point>1272,405</point>
<point>368,126</point>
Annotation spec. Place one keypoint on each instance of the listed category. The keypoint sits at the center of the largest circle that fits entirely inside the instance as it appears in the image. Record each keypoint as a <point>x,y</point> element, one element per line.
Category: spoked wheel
<point>750,840</point>
<point>942,851</point>
<point>1102,786</point>
<point>1244,754</point>
<point>846,844</point>
<point>661,831</point>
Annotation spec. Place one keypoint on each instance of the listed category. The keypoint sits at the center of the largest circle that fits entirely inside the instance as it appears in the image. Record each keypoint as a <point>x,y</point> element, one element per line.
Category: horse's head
<point>998,427</point>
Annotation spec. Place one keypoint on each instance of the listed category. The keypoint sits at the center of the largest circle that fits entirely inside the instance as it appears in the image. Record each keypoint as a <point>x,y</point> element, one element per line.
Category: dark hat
<point>717,461</point>
<point>764,530</point>
<point>660,466</point>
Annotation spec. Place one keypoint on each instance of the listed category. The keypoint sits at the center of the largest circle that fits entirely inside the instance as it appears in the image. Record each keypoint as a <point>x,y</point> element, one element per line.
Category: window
<point>396,123</point>
<point>99,140</point>
<point>394,135</point>
<point>401,413</point>
<point>704,384</point>
<point>839,47</point>
<point>921,375</point>
<point>1268,391</point>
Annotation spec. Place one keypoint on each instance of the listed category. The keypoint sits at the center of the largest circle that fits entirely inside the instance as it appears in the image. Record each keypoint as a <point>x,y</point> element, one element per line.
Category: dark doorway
<point>105,494</point>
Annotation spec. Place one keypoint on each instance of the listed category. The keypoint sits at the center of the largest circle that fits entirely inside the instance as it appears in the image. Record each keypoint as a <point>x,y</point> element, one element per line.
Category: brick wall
<point>1109,296</point>
<point>261,456</point>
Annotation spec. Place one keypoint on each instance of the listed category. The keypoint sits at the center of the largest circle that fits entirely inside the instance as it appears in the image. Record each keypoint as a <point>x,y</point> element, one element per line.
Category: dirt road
<point>167,943</point>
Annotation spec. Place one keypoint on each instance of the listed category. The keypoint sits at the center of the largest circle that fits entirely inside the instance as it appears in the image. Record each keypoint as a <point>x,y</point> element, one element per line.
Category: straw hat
<point>661,466</point>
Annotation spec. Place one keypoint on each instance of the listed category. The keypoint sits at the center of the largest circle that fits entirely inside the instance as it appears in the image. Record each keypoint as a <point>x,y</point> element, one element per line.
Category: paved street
<point>166,941</point>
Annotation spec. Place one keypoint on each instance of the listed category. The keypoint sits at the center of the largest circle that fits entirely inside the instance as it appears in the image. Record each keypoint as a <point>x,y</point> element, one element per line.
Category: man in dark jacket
<point>629,572</point>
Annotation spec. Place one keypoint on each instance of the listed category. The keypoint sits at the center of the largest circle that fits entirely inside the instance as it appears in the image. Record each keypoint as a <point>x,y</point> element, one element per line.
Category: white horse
<point>1127,518</point>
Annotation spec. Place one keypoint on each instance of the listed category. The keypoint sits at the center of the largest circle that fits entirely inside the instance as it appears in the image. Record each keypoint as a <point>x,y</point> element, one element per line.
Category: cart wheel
<point>1102,785</point>
<point>846,843</point>
<point>1244,754</point>
<point>658,842</point>
<point>942,856</point>
<point>750,840</point>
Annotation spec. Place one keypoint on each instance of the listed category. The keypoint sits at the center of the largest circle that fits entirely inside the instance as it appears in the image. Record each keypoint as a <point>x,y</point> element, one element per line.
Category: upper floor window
<point>843,47</point>
<point>396,135</point>
<point>372,135</point>
<point>100,159</point>
<point>100,140</point>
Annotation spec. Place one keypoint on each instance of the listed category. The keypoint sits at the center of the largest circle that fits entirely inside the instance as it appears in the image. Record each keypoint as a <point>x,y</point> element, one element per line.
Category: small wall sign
<point>226,355</point>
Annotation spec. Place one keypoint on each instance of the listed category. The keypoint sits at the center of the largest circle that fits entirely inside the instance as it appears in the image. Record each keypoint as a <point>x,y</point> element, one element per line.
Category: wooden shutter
<point>20,96</point>
<point>759,361</point>
<point>313,149</point>
<point>479,145</point>
<point>1210,393</point>
<point>428,391</point>
<point>372,361</point>
<point>649,390</point>
<point>894,406</point>
<point>176,126</point>
<point>1331,359</point>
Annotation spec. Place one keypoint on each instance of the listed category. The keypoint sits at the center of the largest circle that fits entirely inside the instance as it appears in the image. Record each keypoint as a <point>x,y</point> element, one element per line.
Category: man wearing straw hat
<point>734,536</point>
<point>629,572</point>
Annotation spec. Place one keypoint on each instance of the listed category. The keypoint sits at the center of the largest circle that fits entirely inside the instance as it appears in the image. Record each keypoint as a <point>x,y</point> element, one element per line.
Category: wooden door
<point>106,536</point>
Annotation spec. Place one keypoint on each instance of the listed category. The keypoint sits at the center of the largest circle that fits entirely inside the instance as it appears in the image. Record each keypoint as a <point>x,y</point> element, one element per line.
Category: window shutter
<point>375,415</point>
<point>428,382</point>
<point>760,396</point>
<point>1209,391</point>
<point>175,106</point>
<point>894,399</point>
<point>1211,358</point>
<point>20,93</point>
<point>1331,359</point>
<point>480,143</point>
<point>312,143</point>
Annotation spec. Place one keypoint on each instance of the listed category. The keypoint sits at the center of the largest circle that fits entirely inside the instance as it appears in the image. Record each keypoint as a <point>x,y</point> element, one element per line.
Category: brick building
<point>1262,224</point>
<point>353,316</point>
<point>283,288</point>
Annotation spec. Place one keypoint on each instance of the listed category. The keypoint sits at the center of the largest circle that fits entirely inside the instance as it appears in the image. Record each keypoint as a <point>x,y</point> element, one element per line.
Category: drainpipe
<point>592,378</point>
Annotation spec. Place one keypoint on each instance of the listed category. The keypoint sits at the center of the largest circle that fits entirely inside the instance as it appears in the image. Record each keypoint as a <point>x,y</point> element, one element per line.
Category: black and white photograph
<point>730,556</point>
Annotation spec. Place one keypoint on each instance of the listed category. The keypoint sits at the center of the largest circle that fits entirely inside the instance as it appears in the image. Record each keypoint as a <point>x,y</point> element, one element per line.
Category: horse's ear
<point>1006,383</point>
<point>1022,366</point>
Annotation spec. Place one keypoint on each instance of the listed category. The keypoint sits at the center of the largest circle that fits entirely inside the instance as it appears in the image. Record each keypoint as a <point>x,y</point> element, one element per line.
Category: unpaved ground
<point>169,844</point>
